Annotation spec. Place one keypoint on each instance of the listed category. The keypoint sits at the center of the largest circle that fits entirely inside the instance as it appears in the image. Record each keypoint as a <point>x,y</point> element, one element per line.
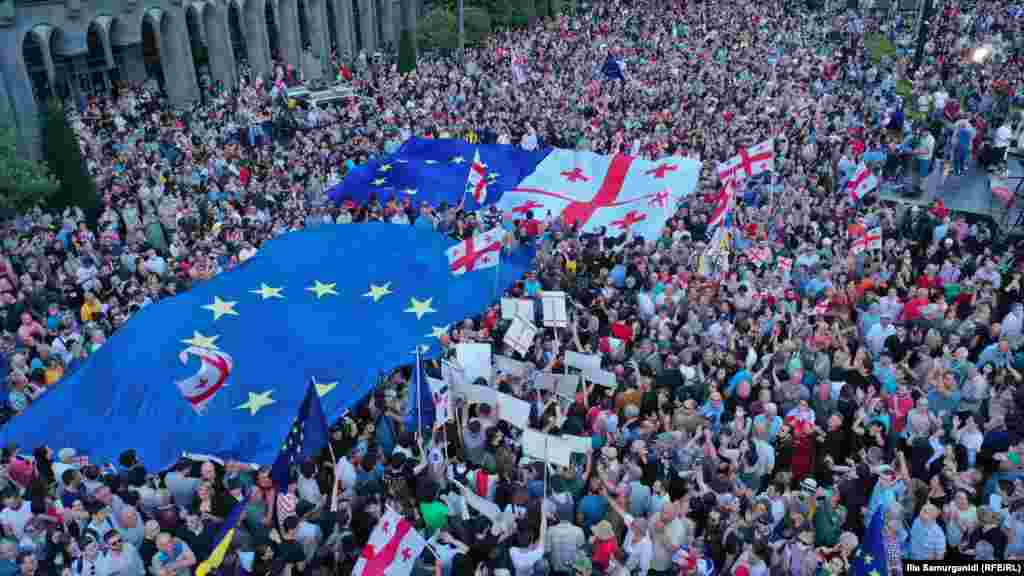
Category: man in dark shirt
<point>290,551</point>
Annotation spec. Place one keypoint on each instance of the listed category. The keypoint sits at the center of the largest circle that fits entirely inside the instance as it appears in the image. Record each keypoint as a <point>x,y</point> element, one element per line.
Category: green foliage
<point>64,156</point>
<point>878,47</point>
<point>406,52</point>
<point>24,184</point>
<point>439,29</point>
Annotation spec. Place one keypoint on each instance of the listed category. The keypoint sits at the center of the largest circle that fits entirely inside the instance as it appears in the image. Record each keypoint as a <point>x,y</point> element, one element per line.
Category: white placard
<point>475,360</point>
<point>506,365</point>
<point>442,406</point>
<point>586,363</point>
<point>520,335</point>
<point>453,375</point>
<point>604,378</point>
<point>545,381</point>
<point>579,444</point>
<point>481,395</point>
<point>555,314</point>
<point>568,385</point>
<point>559,451</point>
<point>514,411</point>
<point>512,307</point>
<point>484,506</point>
<point>534,444</point>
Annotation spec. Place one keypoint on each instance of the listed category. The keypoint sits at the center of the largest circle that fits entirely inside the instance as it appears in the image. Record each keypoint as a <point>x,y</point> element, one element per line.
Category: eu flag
<point>871,559</point>
<point>221,369</point>
<point>420,413</point>
<point>306,437</point>
<point>435,171</point>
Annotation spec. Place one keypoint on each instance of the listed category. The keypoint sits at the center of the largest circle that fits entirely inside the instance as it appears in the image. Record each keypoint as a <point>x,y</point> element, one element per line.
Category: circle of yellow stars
<point>259,400</point>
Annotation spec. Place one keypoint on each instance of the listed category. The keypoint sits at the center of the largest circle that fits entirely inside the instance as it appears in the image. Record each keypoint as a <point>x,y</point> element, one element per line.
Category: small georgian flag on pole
<point>476,183</point>
<point>862,183</point>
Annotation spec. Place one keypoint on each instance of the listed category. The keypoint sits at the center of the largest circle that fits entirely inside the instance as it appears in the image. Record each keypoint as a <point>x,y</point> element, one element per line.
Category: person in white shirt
<point>16,514</point>
<point>527,554</point>
<point>120,558</point>
<point>1002,139</point>
<point>638,546</point>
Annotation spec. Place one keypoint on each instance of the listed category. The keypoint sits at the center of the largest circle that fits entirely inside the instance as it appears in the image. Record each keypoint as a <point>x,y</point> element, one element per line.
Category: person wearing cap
<point>120,557</point>
<point>604,546</point>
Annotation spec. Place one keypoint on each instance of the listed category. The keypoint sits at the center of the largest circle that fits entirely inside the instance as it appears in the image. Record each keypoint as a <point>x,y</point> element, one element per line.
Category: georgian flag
<point>476,184</point>
<point>870,241</point>
<point>392,550</point>
<point>749,162</point>
<point>476,252</point>
<point>861,183</point>
<point>724,203</point>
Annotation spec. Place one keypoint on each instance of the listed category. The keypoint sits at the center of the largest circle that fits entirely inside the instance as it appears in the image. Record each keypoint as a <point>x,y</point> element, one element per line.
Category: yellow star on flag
<point>321,289</point>
<point>420,307</point>
<point>197,339</point>
<point>874,573</point>
<point>868,558</point>
<point>385,168</point>
<point>325,388</point>
<point>377,292</point>
<point>438,331</point>
<point>257,402</point>
<point>380,181</point>
<point>458,160</point>
<point>221,308</point>
<point>268,292</point>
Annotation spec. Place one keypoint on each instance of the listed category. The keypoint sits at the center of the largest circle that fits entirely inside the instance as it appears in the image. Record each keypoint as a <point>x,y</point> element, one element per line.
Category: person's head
<point>114,541</point>
<point>165,542</point>
<point>208,471</point>
<point>152,529</point>
<point>27,564</point>
<point>12,500</point>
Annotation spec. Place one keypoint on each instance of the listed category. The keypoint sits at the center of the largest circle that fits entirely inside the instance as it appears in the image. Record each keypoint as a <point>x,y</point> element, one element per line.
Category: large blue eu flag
<point>437,170</point>
<point>223,369</point>
<point>871,559</point>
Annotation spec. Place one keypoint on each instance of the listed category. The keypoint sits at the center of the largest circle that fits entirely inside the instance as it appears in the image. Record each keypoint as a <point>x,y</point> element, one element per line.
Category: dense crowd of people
<point>766,406</point>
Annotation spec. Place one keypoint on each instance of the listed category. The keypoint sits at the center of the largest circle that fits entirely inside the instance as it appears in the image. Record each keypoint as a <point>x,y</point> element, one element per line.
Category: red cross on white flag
<point>390,552</point>
<point>870,241</point>
<point>749,162</point>
<point>861,183</point>
<point>476,253</point>
<point>476,183</point>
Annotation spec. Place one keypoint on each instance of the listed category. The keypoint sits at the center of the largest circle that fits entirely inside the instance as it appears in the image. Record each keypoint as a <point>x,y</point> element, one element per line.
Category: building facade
<point>77,48</point>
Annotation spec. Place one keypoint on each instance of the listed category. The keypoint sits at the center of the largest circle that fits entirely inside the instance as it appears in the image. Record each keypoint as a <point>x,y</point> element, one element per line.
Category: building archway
<point>305,41</point>
<point>98,72</point>
<point>62,67</point>
<point>332,28</point>
<point>218,46</point>
<point>151,49</point>
<point>33,53</point>
<point>273,38</point>
<point>238,39</point>
<point>200,55</point>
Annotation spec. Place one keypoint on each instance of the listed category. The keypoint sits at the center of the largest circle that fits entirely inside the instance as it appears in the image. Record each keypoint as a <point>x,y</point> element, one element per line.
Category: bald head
<point>128,518</point>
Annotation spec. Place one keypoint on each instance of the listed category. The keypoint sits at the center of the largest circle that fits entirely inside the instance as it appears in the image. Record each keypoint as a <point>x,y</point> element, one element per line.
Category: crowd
<point>764,409</point>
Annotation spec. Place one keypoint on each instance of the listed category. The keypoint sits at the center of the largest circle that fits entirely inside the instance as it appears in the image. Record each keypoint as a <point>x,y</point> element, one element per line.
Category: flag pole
<point>419,383</point>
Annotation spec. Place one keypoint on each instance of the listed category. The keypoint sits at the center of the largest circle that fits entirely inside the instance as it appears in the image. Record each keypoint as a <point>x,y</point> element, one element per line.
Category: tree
<point>64,156</point>
<point>439,29</point>
<point>24,184</point>
<point>406,52</point>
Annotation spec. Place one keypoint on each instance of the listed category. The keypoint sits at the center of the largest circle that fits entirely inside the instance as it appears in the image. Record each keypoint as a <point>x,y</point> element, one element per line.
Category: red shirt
<point>912,309</point>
